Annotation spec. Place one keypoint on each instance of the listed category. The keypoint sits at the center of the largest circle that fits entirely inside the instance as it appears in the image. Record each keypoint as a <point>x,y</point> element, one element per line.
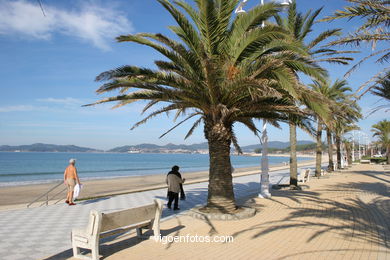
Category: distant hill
<point>194,147</point>
<point>157,148</point>
<point>38,147</point>
<point>274,144</point>
<point>147,148</point>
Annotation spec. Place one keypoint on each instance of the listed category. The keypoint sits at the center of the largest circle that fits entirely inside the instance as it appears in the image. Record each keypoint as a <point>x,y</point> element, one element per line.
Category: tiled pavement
<point>343,216</point>
<point>37,233</point>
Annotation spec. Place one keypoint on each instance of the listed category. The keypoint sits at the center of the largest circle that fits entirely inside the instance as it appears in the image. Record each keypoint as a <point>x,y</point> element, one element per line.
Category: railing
<point>46,196</point>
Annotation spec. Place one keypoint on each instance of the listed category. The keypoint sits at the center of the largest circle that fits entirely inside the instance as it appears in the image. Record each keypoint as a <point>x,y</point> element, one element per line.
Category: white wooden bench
<point>106,224</point>
<point>304,175</point>
<point>365,161</point>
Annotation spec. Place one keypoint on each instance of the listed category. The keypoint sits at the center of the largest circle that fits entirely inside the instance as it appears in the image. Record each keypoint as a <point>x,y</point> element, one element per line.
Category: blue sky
<point>48,65</point>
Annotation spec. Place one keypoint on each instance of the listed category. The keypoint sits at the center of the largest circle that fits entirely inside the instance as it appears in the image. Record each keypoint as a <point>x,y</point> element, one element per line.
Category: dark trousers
<point>173,196</point>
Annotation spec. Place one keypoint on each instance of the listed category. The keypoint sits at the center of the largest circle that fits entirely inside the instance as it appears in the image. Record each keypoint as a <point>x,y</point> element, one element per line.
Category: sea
<point>23,168</point>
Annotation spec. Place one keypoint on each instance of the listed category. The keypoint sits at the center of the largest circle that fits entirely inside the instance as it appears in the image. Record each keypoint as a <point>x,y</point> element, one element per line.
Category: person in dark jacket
<point>174,181</point>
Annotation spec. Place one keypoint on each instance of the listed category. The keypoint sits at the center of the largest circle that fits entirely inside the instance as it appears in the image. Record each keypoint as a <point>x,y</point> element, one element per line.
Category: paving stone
<point>37,233</point>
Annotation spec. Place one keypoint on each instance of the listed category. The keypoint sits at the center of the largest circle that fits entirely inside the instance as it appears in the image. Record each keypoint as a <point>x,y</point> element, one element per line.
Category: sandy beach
<point>13,197</point>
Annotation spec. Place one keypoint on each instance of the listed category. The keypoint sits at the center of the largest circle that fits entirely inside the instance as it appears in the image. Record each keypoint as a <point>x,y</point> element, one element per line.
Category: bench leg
<point>95,252</point>
<point>156,228</point>
<point>76,251</point>
<point>139,232</point>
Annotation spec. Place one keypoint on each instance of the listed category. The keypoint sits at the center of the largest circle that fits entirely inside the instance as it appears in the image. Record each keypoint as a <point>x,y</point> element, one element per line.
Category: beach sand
<point>13,197</point>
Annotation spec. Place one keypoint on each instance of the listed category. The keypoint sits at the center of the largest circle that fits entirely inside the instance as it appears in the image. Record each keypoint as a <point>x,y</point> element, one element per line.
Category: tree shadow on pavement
<point>357,211</point>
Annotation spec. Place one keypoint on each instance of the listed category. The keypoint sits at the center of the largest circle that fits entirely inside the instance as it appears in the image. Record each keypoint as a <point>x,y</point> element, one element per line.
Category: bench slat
<point>127,217</point>
<point>123,229</point>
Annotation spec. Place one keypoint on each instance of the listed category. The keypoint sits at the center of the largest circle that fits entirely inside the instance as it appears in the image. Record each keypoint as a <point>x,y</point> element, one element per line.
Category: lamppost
<point>360,154</point>
<point>353,146</point>
<point>365,144</point>
<point>264,177</point>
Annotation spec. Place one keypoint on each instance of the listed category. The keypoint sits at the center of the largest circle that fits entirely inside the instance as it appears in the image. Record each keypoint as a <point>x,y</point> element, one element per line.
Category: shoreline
<point>3,185</point>
<point>16,197</point>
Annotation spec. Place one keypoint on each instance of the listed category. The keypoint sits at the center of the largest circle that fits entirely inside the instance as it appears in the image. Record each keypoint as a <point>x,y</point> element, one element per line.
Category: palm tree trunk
<point>293,156</point>
<point>349,153</point>
<point>388,154</point>
<point>338,146</point>
<point>220,189</point>
<point>319,149</point>
<point>330,150</point>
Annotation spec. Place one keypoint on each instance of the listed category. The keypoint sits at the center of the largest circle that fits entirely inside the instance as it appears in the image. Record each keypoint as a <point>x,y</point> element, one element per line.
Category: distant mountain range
<point>47,148</point>
<point>150,148</point>
<point>156,148</point>
<point>274,144</point>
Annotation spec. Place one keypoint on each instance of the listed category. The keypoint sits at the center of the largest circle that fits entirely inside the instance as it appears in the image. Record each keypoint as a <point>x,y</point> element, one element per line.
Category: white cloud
<point>20,108</point>
<point>63,101</point>
<point>90,23</point>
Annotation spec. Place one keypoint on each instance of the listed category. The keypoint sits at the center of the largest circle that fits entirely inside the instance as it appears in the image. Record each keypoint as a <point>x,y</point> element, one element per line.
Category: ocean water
<point>27,168</point>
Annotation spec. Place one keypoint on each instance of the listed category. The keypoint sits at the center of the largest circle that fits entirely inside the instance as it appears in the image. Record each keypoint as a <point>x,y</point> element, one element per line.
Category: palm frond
<point>235,143</point>
<point>194,126</point>
<point>181,122</point>
<point>323,36</point>
<point>185,31</point>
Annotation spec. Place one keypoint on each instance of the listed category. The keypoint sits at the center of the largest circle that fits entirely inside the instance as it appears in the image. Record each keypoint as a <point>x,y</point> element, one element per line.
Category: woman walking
<point>174,181</point>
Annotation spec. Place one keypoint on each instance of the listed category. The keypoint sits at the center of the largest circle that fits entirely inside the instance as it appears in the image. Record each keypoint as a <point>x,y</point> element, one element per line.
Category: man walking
<point>70,179</point>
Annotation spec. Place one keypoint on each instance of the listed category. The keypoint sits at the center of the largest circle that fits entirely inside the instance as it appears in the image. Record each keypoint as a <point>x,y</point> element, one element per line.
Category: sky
<point>49,60</point>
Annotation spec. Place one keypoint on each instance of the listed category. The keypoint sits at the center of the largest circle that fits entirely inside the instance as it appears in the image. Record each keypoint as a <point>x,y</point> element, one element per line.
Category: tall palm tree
<point>224,69</point>
<point>336,93</point>
<point>382,89</point>
<point>300,26</point>
<point>348,113</point>
<point>375,29</point>
<point>348,149</point>
<point>381,130</point>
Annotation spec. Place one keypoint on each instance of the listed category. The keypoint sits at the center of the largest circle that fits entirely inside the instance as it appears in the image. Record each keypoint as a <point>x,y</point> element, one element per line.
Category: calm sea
<point>27,168</point>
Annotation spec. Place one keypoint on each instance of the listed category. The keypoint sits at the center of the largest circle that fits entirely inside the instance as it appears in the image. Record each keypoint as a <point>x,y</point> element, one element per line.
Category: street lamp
<point>360,154</point>
<point>353,146</point>
<point>264,177</point>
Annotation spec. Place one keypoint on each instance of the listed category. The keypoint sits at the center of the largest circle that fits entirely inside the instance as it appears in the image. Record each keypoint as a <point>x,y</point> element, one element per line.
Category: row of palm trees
<point>221,69</point>
<point>381,130</point>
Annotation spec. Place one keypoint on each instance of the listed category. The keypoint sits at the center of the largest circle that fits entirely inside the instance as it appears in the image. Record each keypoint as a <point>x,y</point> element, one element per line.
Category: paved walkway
<point>41,232</point>
<point>345,216</point>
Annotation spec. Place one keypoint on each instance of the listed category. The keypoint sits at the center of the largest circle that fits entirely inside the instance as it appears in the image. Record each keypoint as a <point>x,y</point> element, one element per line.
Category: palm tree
<point>382,89</point>
<point>381,130</point>
<point>348,112</point>
<point>348,149</point>
<point>336,93</point>
<point>374,30</point>
<point>300,26</point>
<point>223,70</point>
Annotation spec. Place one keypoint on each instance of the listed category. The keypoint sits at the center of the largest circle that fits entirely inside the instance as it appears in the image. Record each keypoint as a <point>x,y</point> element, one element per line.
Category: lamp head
<point>286,3</point>
<point>241,11</point>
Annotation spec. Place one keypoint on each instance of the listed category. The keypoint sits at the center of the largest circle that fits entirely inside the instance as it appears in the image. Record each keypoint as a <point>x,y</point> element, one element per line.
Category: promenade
<point>345,216</point>
<point>37,233</point>
<point>342,216</point>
